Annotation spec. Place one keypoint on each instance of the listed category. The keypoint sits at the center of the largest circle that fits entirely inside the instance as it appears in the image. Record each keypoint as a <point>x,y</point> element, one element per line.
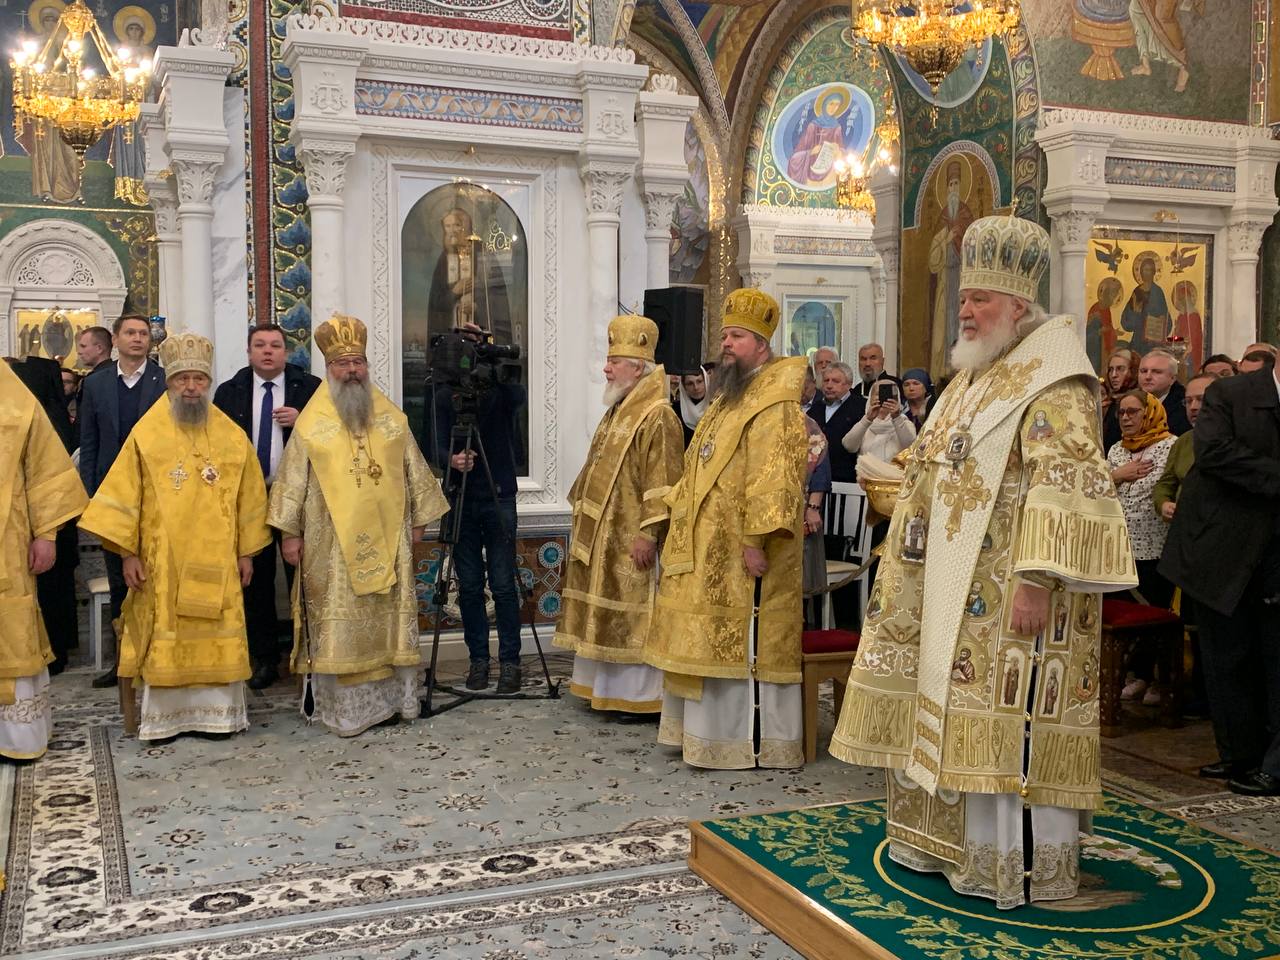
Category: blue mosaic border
<point>375,98</point>
<point>1134,172</point>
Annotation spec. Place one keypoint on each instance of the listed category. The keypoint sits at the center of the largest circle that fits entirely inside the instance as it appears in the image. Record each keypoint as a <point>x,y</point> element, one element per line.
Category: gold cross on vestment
<point>962,491</point>
<point>178,475</point>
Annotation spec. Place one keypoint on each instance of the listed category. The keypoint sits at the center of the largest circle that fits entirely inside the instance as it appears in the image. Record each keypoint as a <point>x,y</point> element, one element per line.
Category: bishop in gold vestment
<point>976,680</point>
<point>185,505</point>
<point>734,546</point>
<point>40,490</point>
<point>619,517</point>
<point>351,495</point>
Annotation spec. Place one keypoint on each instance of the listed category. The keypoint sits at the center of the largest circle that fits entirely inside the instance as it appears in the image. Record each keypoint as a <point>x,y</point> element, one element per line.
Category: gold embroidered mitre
<point>186,352</point>
<point>341,336</point>
<point>632,335</point>
<point>752,310</point>
<point>1007,254</point>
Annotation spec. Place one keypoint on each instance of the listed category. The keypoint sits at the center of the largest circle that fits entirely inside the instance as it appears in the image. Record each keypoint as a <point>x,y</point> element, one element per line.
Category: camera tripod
<point>465,436</point>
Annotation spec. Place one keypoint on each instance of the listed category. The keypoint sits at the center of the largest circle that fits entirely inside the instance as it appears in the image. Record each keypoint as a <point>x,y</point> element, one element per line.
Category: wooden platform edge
<point>806,926</point>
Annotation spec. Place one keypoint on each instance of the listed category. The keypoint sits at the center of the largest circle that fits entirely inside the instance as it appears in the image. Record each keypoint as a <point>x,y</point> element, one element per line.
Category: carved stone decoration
<point>327,95</point>
<point>757,279</point>
<point>1089,170</point>
<point>195,179</point>
<point>659,208</point>
<point>1244,240</point>
<point>326,168</point>
<point>664,83</point>
<point>1073,227</point>
<point>604,188</point>
<point>613,123</point>
<point>55,268</point>
<point>889,258</point>
<point>166,210</point>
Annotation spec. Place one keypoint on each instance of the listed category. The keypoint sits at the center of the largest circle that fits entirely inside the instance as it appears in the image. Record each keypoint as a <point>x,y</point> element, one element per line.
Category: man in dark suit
<point>265,398</point>
<point>1158,375</point>
<point>1223,550</point>
<point>112,399</point>
<point>835,410</point>
<point>56,587</point>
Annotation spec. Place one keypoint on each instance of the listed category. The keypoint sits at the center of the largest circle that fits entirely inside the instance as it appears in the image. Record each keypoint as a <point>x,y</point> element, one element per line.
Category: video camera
<point>469,364</point>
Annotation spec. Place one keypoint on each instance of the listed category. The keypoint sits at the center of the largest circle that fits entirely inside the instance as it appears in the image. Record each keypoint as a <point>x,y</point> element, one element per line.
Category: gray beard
<point>354,403</point>
<point>731,382</point>
<point>979,354</point>
<point>615,393</point>
<point>189,413</point>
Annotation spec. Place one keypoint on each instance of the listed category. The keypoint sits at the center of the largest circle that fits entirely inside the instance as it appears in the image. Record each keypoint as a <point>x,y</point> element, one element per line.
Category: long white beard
<point>615,392</point>
<point>978,354</point>
<point>354,403</point>
<point>189,413</point>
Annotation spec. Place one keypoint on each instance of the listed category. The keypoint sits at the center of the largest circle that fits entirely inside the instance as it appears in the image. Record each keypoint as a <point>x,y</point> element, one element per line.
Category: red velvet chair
<point>1123,623</point>
<point>826,655</point>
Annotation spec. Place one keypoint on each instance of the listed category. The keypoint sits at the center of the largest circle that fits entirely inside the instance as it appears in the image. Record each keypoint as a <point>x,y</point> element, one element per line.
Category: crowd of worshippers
<point>191,507</point>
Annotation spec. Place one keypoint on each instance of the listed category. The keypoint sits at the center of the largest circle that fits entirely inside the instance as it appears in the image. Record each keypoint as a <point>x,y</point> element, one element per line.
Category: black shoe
<point>57,667</point>
<point>107,679</point>
<point>263,677</point>
<point>1218,770</point>
<point>509,678</point>
<point>478,675</point>
<point>1256,784</point>
<point>622,716</point>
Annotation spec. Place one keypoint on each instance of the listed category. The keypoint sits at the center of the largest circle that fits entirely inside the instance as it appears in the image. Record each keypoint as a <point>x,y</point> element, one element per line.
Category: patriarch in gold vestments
<point>40,490</point>
<point>351,496</point>
<point>976,679</point>
<point>726,627</point>
<point>619,519</point>
<point>184,504</point>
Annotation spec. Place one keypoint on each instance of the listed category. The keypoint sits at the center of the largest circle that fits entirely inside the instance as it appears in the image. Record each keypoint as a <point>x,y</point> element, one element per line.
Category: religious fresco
<point>1185,58</point>
<point>810,322</point>
<point>822,100</point>
<point>553,19</point>
<point>1144,286</point>
<point>539,564</point>
<point>960,185</point>
<point>959,85</point>
<point>51,333</point>
<point>690,221</point>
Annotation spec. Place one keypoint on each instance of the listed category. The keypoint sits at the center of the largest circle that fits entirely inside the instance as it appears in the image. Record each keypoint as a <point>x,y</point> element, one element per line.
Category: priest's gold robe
<point>185,627</point>
<point>40,490</point>
<point>944,692</point>
<point>743,485</point>
<point>357,581</point>
<point>634,460</point>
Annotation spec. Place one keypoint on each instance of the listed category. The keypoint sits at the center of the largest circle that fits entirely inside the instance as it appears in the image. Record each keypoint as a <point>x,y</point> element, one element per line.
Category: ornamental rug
<point>1153,887</point>
<point>288,841</point>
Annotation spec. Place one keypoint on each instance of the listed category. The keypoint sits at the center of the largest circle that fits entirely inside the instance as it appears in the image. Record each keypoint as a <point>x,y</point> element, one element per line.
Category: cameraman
<point>486,529</point>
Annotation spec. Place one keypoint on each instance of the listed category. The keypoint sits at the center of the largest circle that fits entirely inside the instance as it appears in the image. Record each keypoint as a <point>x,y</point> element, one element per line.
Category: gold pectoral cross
<point>962,491</point>
<point>373,471</point>
<point>178,475</point>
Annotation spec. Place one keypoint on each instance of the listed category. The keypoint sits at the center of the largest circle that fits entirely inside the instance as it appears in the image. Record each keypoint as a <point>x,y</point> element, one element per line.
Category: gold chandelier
<point>851,187</point>
<point>933,35</point>
<point>53,84</point>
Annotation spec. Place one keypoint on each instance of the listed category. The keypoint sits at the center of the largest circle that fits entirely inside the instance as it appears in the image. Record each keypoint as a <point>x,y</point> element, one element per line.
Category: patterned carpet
<point>496,831</point>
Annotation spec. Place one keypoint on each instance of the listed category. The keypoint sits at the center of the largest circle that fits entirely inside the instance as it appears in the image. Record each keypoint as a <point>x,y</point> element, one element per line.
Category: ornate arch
<point>57,262</point>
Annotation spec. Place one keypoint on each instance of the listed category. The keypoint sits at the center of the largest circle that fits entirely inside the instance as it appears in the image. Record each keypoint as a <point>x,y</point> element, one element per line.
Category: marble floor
<point>497,831</point>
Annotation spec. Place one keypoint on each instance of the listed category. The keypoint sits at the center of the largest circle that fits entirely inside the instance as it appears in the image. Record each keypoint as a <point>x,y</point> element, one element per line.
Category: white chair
<point>844,514</point>
<point>100,601</point>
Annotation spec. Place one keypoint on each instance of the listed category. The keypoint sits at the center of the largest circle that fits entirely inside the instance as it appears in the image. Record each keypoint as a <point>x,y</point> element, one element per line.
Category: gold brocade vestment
<point>40,490</point>
<point>943,687</point>
<point>186,625</point>
<point>743,485</point>
<point>634,460</point>
<point>355,537</point>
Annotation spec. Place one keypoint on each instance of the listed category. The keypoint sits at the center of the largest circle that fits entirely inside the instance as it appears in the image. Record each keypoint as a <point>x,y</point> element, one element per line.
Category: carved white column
<point>191,80</point>
<point>163,192</point>
<point>1244,242</point>
<point>886,238</point>
<point>324,134</point>
<point>662,115</point>
<point>603,183</point>
<point>1071,232</point>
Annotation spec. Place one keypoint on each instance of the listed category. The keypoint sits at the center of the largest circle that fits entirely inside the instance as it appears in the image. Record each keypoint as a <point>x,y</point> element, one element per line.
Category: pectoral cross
<point>962,491</point>
<point>178,475</point>
<point>373,471</point>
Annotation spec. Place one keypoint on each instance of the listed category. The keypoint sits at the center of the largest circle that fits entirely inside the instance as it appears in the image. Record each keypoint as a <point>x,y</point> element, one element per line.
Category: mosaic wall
<point>823,99</point>
<point>539,561</point>
<point>531,18</point>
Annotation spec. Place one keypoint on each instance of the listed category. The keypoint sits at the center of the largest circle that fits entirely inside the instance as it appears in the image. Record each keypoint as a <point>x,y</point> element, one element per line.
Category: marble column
<point>1072,229</point>
<point>1244,243</point>
<point>662,116</point>
<point>195,173</point>
<point>603,183</point>
<point>164,202</point>
<point>659,207</point>
<point>886,234</point>
<point>325,163</point>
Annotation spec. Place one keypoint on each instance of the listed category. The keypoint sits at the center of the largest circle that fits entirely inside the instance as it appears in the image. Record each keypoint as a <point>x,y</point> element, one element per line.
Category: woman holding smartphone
<point>884,431</point>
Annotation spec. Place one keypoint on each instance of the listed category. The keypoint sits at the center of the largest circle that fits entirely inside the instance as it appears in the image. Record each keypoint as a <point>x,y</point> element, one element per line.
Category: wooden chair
<point>825,655</point>
<point>1123,623</point>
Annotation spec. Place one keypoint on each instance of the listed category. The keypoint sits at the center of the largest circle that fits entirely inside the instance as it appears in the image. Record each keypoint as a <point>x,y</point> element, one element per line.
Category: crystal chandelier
<point>851,187</point>
<point>53,84</point>
<point>933,35</point>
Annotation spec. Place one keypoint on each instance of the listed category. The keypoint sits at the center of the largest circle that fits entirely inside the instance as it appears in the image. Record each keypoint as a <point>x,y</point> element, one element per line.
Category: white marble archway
<point>61,263</point>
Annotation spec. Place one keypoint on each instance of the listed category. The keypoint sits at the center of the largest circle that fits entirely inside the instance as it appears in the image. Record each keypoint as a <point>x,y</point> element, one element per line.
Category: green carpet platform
<point>1153,887</point>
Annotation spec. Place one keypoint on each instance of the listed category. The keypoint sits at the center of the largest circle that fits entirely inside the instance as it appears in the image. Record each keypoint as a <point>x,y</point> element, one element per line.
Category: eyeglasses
<point>1129,413</point>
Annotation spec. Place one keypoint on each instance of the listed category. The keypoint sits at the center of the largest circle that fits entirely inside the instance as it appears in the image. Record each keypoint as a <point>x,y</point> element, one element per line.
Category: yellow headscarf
<point>1155,426</point>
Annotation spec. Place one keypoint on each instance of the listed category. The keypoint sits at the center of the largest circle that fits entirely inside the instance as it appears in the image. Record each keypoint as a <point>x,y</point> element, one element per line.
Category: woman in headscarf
<point>693,396</point>
<point>917,389</point>
<point>1121,375</point>
<point>1137,461</point>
